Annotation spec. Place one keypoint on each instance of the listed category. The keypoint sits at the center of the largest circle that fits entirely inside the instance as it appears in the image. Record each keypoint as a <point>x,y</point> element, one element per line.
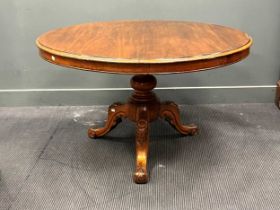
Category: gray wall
<point>21,69</point>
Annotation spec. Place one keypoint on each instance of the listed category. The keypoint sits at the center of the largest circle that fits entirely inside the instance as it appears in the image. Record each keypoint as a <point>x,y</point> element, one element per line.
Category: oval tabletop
<point>144,47</point>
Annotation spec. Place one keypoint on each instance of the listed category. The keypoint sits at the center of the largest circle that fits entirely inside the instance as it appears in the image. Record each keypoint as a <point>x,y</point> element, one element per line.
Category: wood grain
<point>154,46</point>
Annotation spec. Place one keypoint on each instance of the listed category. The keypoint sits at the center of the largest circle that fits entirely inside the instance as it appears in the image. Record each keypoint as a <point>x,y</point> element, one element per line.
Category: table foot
<point>170,111</point>
<point>115,112</point>
<point>142,146</point>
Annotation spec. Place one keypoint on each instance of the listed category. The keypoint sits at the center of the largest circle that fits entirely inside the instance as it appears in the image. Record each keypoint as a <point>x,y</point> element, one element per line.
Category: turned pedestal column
<point>142,108</point>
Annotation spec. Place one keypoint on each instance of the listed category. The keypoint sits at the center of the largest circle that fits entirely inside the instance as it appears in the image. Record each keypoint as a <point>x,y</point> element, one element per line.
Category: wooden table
<point>144,48</point>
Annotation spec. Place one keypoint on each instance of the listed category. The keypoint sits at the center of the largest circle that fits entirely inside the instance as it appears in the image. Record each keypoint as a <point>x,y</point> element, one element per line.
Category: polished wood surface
<point>144,48</point>
<point>141,47</point>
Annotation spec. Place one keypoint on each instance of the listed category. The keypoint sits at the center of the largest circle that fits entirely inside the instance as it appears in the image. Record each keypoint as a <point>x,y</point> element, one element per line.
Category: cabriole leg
<point>170,111</point>
<point>115,112</point>
<point>142,146</point>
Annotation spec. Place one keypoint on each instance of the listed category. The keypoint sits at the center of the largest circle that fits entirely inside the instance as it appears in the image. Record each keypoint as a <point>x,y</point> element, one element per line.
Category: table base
<point>142,108</point>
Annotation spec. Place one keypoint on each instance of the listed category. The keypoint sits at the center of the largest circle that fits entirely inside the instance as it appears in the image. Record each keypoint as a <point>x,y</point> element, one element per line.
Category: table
<point>144,48</point>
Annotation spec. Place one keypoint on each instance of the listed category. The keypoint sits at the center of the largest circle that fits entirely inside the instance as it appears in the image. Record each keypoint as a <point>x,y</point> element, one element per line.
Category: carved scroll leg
<point>115,112</point>
<point>142,147</point>
<point>170,111</point>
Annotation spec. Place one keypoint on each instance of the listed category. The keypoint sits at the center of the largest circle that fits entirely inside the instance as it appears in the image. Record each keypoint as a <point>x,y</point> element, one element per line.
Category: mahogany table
<point>144,48</point>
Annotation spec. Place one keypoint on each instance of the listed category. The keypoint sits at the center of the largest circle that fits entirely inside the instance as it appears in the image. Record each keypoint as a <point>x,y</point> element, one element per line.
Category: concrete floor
<point>47,161</point>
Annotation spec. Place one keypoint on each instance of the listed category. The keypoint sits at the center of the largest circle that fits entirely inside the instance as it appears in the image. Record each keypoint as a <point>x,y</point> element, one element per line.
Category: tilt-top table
<point>144,48</point>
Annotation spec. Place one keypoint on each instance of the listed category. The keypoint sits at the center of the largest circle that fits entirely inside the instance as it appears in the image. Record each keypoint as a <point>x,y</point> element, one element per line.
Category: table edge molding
<point>144,61</point>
